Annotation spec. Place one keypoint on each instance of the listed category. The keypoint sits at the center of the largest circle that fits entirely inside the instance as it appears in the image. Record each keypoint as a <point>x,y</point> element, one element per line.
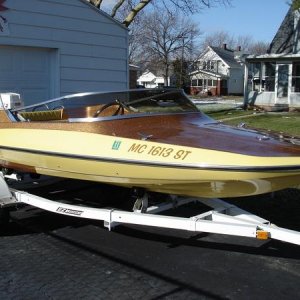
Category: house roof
<point>217,75</point>
<point>148,76</point>
<point>273,57</point>
<point>286,38</point>
<point>227,56</point>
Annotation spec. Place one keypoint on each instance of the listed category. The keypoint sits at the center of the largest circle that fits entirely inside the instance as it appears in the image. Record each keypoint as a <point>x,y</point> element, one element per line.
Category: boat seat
<point>43,115</point>
<point>89,111</point>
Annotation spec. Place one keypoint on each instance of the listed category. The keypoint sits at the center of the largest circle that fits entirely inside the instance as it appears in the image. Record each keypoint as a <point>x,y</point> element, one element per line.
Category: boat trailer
<point>223,218</point>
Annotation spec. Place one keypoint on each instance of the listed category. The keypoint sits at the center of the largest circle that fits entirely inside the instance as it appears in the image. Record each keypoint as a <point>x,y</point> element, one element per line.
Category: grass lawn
<point>287,123</point>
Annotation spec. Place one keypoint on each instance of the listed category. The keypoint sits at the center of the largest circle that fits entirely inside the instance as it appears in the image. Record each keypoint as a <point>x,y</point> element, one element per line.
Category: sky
<point>257,18</point>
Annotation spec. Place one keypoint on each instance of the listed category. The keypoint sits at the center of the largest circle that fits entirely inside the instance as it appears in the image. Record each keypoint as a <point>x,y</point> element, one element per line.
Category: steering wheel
<point>119,111</point>
<point>35,108</point>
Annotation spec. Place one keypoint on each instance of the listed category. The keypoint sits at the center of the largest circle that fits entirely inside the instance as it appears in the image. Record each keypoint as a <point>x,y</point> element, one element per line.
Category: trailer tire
<point>4,216</point>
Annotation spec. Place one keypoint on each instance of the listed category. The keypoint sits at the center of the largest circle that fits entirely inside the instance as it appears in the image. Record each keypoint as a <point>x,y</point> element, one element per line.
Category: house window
<point>200,82</point>
<point>254,76</point>
<point>215,83</point>
<point>269,78</point>
<point>296,77</point>
<point>209,82</point>
<point>256,68</point>
<point>194,82</point>
<point>283,80</point>
<point>208,65</point>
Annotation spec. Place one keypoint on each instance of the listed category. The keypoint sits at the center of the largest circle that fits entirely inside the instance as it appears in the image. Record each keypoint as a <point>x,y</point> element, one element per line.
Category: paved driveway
<point>47,256</point>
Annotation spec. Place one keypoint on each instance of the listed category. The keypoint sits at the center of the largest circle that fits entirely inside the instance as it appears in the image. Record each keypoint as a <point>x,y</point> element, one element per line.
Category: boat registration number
<point>180,154</point>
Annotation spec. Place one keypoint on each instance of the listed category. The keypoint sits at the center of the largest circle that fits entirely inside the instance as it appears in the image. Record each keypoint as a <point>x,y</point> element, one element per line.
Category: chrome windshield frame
<point>87,94</point>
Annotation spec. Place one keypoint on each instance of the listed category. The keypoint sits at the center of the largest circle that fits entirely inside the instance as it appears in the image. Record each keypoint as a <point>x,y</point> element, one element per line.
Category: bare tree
<point>136,40</point>
<point>258,48</point>
<point>134,7</point>
<point>244,42</point>
<point>167,38</point>
<point>217,39</point>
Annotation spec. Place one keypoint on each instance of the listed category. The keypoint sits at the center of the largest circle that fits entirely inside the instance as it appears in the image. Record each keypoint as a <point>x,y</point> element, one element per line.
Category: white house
<point>219,71</point>
<point>149,80</point>
<point>50,48</point>
<point>273,79</point>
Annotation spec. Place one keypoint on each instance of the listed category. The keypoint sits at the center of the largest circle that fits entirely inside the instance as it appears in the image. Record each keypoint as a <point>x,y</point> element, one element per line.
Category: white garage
<point>51,48</point>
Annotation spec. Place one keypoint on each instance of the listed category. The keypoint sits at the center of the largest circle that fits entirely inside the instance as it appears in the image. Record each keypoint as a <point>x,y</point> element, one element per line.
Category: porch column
<point>246,73</point>
<point>290,83</point>
<point>218,92</point>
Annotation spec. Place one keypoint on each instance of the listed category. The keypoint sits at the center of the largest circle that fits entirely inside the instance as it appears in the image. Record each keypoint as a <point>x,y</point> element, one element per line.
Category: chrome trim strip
<point>293,168</point>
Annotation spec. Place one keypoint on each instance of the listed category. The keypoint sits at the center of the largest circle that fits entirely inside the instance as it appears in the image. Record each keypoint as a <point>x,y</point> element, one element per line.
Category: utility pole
<point>181,64</point>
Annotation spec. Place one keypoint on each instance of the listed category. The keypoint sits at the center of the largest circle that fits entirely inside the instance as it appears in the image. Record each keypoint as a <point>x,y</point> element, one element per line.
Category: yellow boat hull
<point>154,166</point>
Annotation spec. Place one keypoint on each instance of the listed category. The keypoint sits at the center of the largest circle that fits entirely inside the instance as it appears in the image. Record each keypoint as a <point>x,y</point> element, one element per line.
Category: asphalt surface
<point>49,256</point>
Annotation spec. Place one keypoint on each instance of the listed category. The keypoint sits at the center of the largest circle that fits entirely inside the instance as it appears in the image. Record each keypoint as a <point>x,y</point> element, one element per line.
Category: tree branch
<point>96,3</point>
<point>135,11</point>
<point>116,7</point>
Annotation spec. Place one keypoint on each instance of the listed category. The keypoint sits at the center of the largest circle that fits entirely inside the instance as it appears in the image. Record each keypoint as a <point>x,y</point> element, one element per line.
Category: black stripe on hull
<point>293,168</point>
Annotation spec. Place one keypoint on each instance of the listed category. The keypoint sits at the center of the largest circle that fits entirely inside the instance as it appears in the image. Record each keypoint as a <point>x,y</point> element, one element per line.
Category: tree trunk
<point>166,75</point>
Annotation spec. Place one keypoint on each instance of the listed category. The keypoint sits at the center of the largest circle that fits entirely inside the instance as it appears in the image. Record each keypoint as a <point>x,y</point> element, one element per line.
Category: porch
<point>273,82</point>
<point>208,84</point>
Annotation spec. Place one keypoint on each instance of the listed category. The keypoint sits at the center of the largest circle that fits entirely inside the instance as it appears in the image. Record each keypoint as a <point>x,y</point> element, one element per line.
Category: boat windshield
<point>140,101</point>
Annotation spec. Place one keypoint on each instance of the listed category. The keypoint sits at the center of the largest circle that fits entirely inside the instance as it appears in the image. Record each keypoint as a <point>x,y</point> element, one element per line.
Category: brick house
<point>219,71</point>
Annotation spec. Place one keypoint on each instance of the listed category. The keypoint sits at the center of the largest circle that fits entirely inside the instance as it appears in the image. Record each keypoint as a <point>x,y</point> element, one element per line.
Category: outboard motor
<point>10,101</point>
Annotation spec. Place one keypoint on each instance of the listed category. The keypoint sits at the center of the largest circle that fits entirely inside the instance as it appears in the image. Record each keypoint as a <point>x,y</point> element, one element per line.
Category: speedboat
<point>153,139</point>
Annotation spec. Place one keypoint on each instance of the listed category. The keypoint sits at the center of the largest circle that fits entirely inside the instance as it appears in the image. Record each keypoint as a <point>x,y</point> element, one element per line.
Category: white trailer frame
<point>224,218</point>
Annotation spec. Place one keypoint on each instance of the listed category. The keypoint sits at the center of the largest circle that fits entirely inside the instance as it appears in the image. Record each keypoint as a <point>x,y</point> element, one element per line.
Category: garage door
<point>26,71</point>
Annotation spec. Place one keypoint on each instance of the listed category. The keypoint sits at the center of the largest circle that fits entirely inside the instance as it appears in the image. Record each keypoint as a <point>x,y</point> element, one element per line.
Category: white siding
<point>210,55</point>
<point>92,48</point>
